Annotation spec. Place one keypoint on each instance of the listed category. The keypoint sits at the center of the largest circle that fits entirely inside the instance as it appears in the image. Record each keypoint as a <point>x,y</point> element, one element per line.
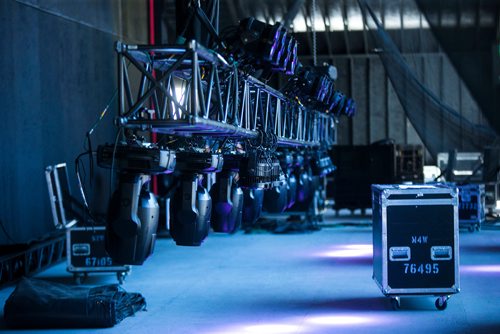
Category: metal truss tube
<point>126,83</point>
<point>121,102</point>
<point>210,88</point>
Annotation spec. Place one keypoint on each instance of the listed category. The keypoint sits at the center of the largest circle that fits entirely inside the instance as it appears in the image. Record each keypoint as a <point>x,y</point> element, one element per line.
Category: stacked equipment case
<point>86,254</point>
<point>415,241</point>
<point>471,211</point>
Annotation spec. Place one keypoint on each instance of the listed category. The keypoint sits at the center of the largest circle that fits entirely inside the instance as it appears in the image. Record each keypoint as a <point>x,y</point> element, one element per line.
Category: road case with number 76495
<point>415,241</point>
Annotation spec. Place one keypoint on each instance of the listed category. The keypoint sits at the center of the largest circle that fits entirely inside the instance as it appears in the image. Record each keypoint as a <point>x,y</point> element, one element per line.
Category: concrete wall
<point>380,114</point>
<point>58,73</point>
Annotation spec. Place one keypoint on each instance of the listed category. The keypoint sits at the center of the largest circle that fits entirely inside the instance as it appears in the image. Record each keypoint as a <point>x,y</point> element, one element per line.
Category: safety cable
<point>313,30</point>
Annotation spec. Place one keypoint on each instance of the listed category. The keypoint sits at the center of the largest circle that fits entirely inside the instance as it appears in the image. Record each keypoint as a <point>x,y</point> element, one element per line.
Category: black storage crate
<point>86,253</point>
<point>360,166</point>
<point>410,163</point>
<point>357,168</point>
<point>471,206</point>
<point>415,240</point>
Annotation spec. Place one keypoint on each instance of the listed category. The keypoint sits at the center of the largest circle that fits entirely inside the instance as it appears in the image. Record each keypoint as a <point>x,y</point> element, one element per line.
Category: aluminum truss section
<point>22,260</point>
<point>190,90</point>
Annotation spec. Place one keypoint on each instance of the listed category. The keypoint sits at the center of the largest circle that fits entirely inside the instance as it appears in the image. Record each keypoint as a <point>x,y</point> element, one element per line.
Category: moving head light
<point>132,220</point>
<point>304,179</point>
<point>315,87</point>
<point>191,205</point>
<point>190,209</point>
<point>227,204</point>
<point>312,85</point>
<point>342,105</point>
<point>275,199</point>
<point>133,210</point>
<point>281,197</point>
<point>253,199</point>
<point>262,38</point>
<point>321,164</point>
<point>286,162</point>
<point>264,46</point>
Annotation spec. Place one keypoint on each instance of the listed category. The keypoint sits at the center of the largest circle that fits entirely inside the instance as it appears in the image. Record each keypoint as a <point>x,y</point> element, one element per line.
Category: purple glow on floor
<point>271,328</point>
<point>339,320</point>
<point>309,324</point>
<point>259,328</point>
<point>346,251</point>
<point>492,268</point>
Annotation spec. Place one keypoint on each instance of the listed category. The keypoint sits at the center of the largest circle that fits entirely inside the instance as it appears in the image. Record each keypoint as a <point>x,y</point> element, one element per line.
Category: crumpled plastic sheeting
<point>37,303</point>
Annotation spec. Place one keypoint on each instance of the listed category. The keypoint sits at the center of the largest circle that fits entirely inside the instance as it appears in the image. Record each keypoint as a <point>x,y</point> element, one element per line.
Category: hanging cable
<point>81,181</point>
<point>313,30</point>
<point>4,230</point>
<point>117,139</point>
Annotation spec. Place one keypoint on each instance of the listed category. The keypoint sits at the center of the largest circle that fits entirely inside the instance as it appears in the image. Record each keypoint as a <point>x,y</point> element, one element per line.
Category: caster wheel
<point>472,228</point>
<point>121,277</point>
<point>441,304</point>
<point>78,279</point>
<point>395,303</point>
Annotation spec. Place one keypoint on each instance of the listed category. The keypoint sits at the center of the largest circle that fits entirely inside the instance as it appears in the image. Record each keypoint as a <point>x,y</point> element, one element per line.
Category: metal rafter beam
<point>308,33</point>
<point>292,12</point>
<point>365,37</point>
<point>343,9</point>
<point>327,29</point>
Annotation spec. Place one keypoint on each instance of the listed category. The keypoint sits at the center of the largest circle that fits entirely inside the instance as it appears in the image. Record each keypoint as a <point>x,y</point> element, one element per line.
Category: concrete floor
<point>318,282</point>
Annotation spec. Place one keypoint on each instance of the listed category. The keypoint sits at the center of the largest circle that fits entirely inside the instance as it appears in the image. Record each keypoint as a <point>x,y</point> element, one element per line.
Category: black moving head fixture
<point>256,45</point>
<point>190,209</point>
<point>227,203</point>
<point>341,105</point>
<point>286,161</point>
<point>276,198</point>
<point>321,163</point>
<point>303,177</point>
<point>132,220</point>
<point>133,210</point>
<point>315,88</point>
<point>191,205</point>
<point>253,198</point>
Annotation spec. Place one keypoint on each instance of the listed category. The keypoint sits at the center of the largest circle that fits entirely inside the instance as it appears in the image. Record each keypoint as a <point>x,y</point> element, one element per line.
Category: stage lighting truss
<point>190,90</point>
<point>315,88</point>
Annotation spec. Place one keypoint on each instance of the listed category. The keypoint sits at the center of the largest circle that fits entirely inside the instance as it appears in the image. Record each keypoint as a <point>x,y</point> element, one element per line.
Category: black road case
<point>415,241</point>
<point>471,213</point>
<point>86,253</point>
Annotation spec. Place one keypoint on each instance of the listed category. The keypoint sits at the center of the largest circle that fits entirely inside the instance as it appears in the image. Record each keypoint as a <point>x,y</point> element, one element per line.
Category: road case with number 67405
<point>415,241</point>
<point>86,253</point>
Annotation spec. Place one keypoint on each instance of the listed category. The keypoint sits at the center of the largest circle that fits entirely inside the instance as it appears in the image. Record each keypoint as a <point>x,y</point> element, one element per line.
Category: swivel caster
<point>121,277</point>
<point>441,303</point>
<point>80,278</point>
<point>395,303</point>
